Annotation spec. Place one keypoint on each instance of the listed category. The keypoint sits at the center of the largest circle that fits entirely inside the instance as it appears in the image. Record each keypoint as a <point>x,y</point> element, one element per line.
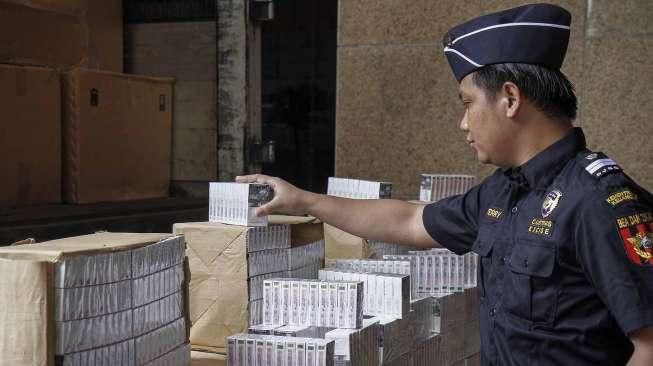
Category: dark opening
<point>298,90</point>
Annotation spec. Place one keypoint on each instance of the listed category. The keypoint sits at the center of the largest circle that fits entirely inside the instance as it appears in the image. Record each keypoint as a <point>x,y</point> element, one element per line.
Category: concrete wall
<point>187,52</point>
<point>397,105</point>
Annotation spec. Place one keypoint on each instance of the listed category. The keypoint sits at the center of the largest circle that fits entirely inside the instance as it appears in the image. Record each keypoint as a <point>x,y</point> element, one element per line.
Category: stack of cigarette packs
<point>438,272</point>
<point>337,304</point>
<point>386,294</point>
<point>398,336</point>
<point>380,248</point>
<point>118,298</point>
<point>230,263</point>
<point>358,189</point>
<point>303,261</point>
<point>235,203</point>
<point>434,187</point>
<point>270,350</point>
<point>357,347</point>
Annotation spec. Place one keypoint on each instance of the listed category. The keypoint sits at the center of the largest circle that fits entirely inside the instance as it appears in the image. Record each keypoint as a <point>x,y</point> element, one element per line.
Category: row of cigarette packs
<point>438,272</point>
<point>273,236</point>
<point>434,187</point>
<point>103,268</point>
<point>337,304</point>
<point>235,203</point>
<point>256,286</point>
<point>358,347</point>
<point>379,249</point>
<point>358,189</point>
<point>269,350</point>
<point>372,265</point>
<point>385,294</point>
<point>278,260</point>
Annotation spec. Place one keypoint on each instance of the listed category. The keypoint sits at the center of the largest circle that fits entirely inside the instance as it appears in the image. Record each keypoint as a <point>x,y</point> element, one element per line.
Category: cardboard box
<point>219,266</point>
<point>116,136</point>
<point>30,130</point>
<point>340,244</point>
<point>32,274</point>
<point>62,34</point>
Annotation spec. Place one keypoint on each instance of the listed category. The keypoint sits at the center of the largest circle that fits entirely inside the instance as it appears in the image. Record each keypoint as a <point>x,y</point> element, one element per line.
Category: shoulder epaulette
<point>597,164</point>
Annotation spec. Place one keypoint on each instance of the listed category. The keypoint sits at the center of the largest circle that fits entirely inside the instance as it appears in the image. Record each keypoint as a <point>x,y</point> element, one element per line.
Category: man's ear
<point>511,99</point>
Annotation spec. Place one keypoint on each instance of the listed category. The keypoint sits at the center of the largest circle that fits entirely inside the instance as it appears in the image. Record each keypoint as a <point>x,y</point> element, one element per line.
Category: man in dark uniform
<point>563,234</point>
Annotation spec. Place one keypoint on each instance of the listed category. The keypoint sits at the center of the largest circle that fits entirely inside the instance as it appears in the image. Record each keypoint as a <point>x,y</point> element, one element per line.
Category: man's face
<point>488,130</point>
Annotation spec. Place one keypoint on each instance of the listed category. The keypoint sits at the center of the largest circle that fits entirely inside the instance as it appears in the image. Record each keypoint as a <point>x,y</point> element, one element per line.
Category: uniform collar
<point>543,166</point>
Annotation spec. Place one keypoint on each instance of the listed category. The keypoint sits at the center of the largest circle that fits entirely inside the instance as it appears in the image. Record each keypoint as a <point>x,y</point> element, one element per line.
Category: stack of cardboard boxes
<point>230,264</point>
<point>74,128</point>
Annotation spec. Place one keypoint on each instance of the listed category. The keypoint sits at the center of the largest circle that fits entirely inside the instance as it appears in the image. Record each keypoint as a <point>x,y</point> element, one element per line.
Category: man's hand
<point>288,199</point>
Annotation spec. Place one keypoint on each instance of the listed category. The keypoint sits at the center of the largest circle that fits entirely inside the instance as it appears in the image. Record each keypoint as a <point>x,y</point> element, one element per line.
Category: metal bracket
<point>261,152</point>
<point>261,10</point>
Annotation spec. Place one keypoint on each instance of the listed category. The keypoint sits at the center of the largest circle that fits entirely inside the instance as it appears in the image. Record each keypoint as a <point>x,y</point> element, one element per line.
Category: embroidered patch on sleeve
<point>637,234</point>
<point>621,196</point>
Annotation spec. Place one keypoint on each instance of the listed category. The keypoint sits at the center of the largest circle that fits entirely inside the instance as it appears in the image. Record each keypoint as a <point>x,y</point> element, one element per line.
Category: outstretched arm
<point>385,220</point>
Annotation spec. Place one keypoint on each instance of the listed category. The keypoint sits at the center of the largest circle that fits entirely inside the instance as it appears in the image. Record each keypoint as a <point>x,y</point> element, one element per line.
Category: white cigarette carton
<point>300,350</point>
<point>280,352</point>
<point>269,351</point>
<point>333,304</point>
<point>235,203</point>
<point>325,304</point>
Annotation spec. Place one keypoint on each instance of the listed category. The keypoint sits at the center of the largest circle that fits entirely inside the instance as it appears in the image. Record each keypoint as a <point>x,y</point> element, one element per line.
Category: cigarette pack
<point>434,187</point>
<point>358,189</point>
<point>235,203</point>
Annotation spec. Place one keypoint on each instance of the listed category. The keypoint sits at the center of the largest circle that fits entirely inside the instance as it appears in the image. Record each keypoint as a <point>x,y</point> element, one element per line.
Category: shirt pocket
<point>531,292</point>
<point>483,247</point>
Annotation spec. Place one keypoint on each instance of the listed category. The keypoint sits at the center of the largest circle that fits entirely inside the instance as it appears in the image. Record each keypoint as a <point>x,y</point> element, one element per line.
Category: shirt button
<point>503,260</point>
<point>493,311</point>
<point>514,210</point>
<point>525,263</point>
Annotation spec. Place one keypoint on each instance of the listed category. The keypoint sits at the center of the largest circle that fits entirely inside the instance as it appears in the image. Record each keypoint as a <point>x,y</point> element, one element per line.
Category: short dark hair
<point>550,90</point>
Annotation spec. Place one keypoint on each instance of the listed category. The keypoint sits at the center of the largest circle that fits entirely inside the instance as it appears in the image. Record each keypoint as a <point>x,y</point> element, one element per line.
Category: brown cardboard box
<point>219,289</point>
<point>27,287</point>
<point>62,34</point>
<point>116,136</point>
<point>105,38</point>
<point>30,136</point>
<point>342,245</point>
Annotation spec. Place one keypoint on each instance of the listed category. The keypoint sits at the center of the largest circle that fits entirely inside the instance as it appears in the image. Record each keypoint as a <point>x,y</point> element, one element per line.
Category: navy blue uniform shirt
<point>565,248</point>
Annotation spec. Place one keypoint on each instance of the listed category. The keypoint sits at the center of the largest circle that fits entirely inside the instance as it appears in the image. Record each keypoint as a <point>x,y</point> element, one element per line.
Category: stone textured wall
<point>397,105</point>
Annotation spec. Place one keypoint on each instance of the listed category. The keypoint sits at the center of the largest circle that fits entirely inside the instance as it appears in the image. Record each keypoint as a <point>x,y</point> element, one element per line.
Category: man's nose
<point>463,123</point>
